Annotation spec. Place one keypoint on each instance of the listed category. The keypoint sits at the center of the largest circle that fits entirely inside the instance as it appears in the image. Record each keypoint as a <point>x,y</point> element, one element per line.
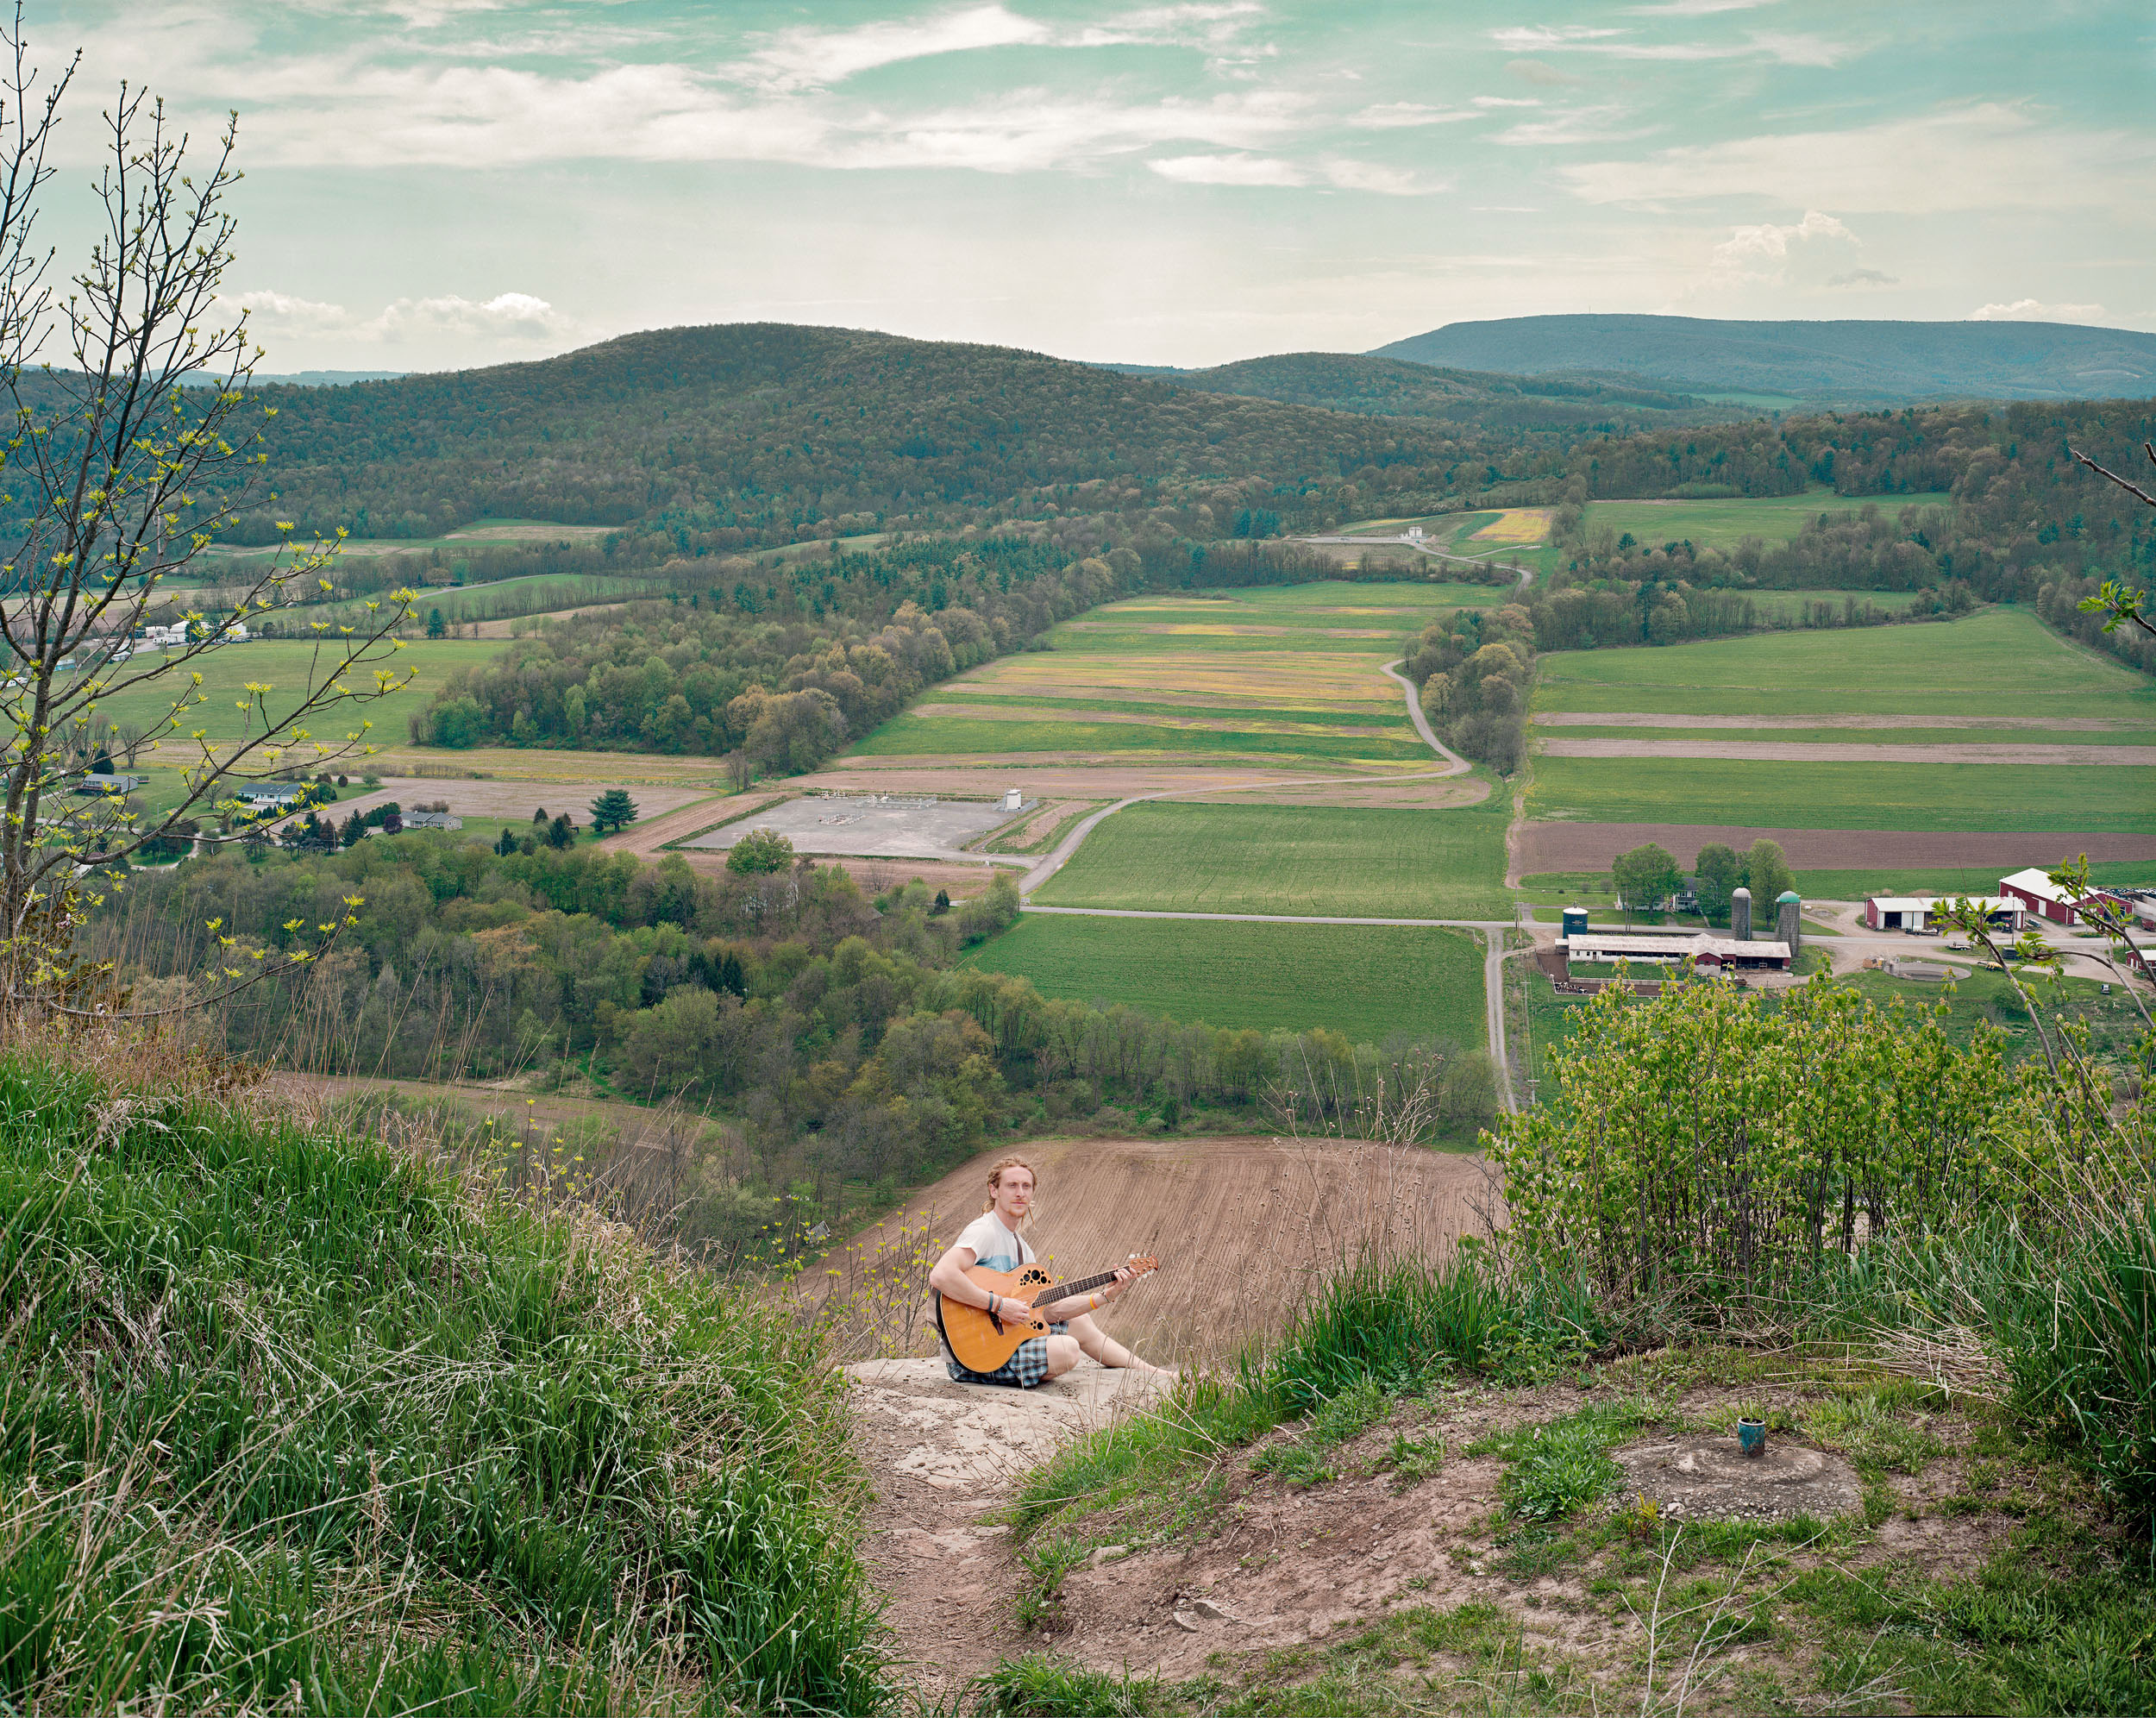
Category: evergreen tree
<point>613,809</point>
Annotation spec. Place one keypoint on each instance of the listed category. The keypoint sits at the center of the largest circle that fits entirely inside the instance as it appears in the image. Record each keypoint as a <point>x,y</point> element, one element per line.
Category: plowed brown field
<point>1242,1227</point>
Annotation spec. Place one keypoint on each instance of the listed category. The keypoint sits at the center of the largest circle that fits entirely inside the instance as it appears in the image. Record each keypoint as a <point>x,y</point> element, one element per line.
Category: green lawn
<point>1447,863</point>
<point>1723,524</point>
<point>1999,661</point>
<point>287,667</point>
<point>1365,982</point>
<point>1943,796</point>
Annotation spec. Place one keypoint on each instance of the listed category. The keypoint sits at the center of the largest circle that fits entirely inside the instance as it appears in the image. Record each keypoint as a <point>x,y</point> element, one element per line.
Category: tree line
<point>834,1027</point>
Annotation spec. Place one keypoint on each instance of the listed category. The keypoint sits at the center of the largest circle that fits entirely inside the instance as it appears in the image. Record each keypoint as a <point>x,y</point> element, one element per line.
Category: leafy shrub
<point>1701,1136</point>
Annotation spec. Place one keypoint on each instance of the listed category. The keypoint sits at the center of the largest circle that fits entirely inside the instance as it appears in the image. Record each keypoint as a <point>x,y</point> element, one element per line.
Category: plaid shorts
<point>1023,1370</point>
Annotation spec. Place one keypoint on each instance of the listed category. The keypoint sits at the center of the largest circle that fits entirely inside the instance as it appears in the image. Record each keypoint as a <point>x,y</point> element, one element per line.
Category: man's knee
<point>1063,1355</point>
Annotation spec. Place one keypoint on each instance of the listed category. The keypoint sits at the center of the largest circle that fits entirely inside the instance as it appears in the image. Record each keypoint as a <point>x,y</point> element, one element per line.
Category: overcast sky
<point>443,183</point>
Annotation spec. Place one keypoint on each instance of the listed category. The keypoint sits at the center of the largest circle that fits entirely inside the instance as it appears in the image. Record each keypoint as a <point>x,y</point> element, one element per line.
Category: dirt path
<point>944,1457</point>
<point>1242,1225</point>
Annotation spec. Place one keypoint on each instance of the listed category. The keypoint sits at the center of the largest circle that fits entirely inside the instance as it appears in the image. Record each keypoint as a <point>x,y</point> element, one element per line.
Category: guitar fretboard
<point>1063,1291</point>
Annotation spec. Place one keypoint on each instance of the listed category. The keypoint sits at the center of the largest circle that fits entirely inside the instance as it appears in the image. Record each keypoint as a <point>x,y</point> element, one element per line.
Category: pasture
<point>1997,661</point>
<point>285,666</point>
<point>1357,862</point>
<point>1725,524</point>
<point>1367,982</point>
<point>1895,796</point>
<point>1283,675</point>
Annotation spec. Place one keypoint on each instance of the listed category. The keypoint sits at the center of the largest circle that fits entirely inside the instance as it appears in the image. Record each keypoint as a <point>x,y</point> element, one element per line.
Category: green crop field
<point>1999,661</point>
<point>1286,675</point>
<point>1365,982</point>
<point>1911,796</point>
<point>285,666</point>
<point>1446,863</point>
<point>1554,889</point>
<point>1723,524</point>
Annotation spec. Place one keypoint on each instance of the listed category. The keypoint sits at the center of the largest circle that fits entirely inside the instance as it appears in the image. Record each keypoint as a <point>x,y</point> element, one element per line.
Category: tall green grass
<point>289,1418</point>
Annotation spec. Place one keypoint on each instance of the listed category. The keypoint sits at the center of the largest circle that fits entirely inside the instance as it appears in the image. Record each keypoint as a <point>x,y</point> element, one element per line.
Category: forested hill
<point>751,434</point>
<point>1850,362</point>
<point>1391,387</point>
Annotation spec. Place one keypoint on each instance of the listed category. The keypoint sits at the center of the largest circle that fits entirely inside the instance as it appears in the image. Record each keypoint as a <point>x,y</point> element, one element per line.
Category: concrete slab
<point>870,827</point>
<point>1706,1477</point>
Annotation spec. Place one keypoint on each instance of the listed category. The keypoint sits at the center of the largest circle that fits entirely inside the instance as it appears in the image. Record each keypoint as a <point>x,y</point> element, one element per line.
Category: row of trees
<point>1472,669</point>
<point>834,1027</point>
<point>1648,877</point>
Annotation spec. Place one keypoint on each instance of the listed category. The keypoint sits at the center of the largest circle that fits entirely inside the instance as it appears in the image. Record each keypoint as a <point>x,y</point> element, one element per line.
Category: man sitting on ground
<point>1064,1329</point>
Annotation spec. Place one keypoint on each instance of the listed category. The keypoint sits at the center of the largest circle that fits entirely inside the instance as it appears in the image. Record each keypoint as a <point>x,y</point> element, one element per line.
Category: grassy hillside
<point>1840,360</point>
<point>297,1422</point>
<point>1365,982</point>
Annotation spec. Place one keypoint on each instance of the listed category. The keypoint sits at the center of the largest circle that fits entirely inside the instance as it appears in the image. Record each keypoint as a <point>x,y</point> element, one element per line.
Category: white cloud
<point>1987,156</point>
<point>1508,101</point>
<point>286,314</point>
<point>1696,9</point>
<point>1765,252</point>
<point>806,58</point>
<point>1229,169</point>
<point>507,316</point>
<point>1786,48</point>
<point>1399,116</point>
<point>1863,277</point>
<point>1385,181</point>
<point>1582,125</point>
<point>2029,310</point>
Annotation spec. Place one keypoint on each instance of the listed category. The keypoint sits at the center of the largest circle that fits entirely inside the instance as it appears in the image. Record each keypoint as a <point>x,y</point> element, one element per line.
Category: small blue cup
<point>1752,1437</point>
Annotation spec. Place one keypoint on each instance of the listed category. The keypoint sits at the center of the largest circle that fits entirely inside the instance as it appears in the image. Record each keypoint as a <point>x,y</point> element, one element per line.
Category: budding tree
<point>134,443</point>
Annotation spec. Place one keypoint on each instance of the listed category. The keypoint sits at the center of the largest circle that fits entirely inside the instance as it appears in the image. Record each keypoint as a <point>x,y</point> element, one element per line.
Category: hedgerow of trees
<point>835,1028</point>
<point>1472,669</point>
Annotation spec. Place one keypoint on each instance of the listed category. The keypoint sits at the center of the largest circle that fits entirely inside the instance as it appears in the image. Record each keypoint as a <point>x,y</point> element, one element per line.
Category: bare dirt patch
<point>1591,846</point>
<point>1043,825</point>
<point>1798,751</point>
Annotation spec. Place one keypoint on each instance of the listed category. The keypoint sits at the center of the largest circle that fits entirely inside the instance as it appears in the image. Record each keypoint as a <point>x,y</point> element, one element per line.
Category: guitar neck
<point>1063,1291</point>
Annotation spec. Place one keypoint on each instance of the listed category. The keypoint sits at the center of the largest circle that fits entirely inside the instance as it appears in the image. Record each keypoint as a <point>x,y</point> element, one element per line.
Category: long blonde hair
<point>995,1180</point>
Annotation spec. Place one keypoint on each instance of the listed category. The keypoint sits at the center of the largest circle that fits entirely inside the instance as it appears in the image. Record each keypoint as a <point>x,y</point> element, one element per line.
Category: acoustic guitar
<point>983,1342</point>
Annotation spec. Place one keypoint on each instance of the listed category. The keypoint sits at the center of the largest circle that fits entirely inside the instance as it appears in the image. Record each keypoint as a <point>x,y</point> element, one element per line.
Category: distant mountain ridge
<point>1815,363</point>
<point>1390,388</point>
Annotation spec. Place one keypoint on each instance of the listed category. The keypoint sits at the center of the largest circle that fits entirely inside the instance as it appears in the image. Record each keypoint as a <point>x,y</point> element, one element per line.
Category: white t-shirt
<point>994,1246</point>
